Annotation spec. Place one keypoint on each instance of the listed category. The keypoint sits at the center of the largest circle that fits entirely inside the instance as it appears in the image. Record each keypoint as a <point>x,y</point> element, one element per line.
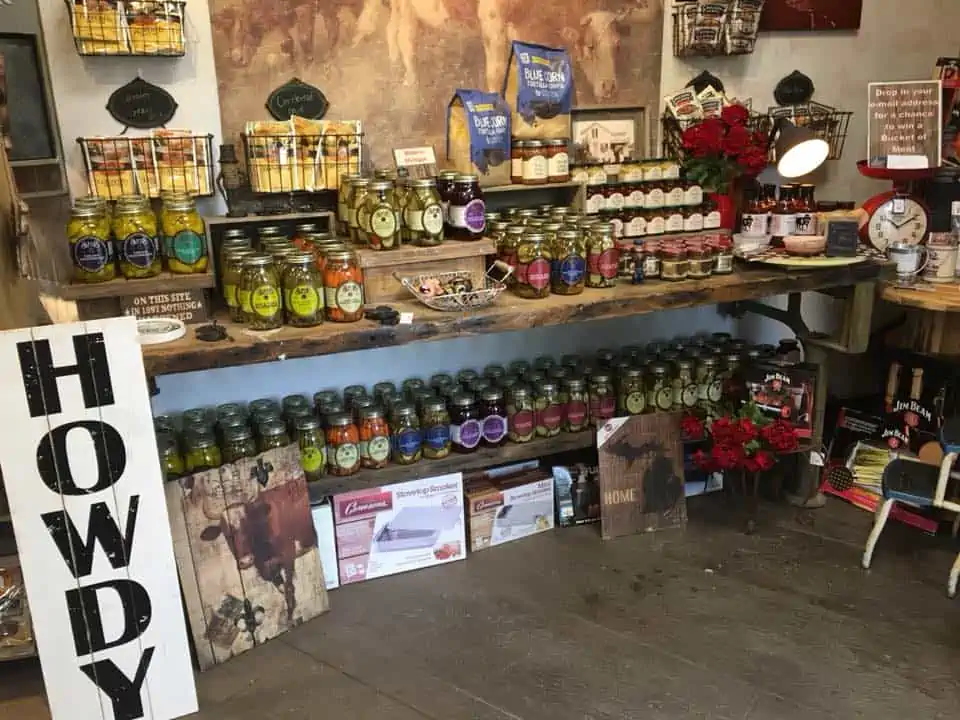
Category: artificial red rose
<point>724,456</point>
<point>764,460</point>
<point>750,464</point>
<point>721,429</point>
<point>691,427</point>
<point>703,461</point>
<point>737,140</point>
<point>745,430</point>
<point>735,115</point>
<point>705,138</point>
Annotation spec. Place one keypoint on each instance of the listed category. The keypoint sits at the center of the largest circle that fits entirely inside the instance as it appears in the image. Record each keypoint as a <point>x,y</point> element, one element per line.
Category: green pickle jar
<point>575,403</point>
<point>135,233</point>
<point>313,452</point>
<point>435,424</point>
<point>631,393</point>
<point>230,280</point>
<point>406,436</point>
<point>685,389</point>
<point>359,187</point>
<point>602,256</point>
<point>302,290</point>
<point>184,236</point>
<point>659,388</point>
<point>521,415</point>
<point>259,293</point>
<point>171,461</point>
<point>549,408</point>
<point>709,381</point>
<point>201,451</point>
<point>380,211</point>
<point>238,443</point>
<point>568,269</point>
<point>292,403</point>
<point>423,214</point>
<point>88,233</point>
<point>273,435</point>
<point>382,388</point>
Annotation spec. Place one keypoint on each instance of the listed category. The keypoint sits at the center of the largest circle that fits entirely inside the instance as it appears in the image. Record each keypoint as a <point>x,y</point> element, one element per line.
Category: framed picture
<point>811,15</point>
<point>608,135</point>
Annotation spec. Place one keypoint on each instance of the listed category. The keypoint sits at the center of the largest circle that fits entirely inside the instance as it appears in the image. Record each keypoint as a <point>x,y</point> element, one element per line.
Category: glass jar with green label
<point>423,214</point>
<point>184,236</point>
<point>135,233</point>
<point>685,390</point>
<point>659,386</point>
<point>230,279</point>
<point>709,381</point>
<point>302,290</point>
<point>631,392</point>
<point>313,451</point>
<point>259,293</point>
<point>238,443</point>
<point>374,438</point>
<point>88,233</point>
<point>356,210</point>
<point>383,233</point>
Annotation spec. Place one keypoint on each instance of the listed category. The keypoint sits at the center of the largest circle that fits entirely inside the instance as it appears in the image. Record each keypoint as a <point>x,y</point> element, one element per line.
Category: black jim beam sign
<point>297,98</point>
<point>141,105</point>
<point>843,238</point>
<point>190,306</point>
<point>91,523</point>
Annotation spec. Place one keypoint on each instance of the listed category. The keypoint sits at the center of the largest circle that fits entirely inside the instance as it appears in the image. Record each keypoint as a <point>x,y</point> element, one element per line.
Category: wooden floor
<point>701,623</point>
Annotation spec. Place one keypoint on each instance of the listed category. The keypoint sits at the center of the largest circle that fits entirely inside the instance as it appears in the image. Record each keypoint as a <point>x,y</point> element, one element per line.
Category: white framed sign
<point>83,480</point>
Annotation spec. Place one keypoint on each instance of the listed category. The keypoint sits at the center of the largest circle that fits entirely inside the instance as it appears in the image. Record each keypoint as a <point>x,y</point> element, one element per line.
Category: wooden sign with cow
<point>246,548</point>
<point>79,461</point>
<point>641,474</point>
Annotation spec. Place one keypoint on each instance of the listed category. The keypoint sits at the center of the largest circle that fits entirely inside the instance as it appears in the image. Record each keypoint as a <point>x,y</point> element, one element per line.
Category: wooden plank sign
<point>246,549</point>
<point>86,499</point>
<point>904,125</point>
<point>641,474</point>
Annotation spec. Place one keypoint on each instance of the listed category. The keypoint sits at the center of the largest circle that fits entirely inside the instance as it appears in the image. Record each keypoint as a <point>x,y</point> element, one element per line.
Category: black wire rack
<point>136,28</point>
<point>735,33</point>
<point>827,123</point>
<point>163,162</point>
<point>673,130</point>
<point>294,163</point>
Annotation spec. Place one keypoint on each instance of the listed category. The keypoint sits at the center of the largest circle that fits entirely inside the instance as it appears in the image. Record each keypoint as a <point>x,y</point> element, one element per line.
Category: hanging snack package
<point>478,136</point>
<point>742,26</point>
<point>272,158</point>
<point>539,91</point>
<point>708,35</point>
<point>684,105</point>
<point>711,102</point>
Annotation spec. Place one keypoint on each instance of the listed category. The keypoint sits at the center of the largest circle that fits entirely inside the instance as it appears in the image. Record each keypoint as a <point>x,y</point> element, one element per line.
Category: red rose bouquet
<point>742,441</point>
<point>719,150</point>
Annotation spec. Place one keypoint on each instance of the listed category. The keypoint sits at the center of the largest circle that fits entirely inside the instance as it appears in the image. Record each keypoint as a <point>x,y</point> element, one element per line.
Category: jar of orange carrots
<point>374,438</point>
<point>343,283</point>
<point>343,445</point>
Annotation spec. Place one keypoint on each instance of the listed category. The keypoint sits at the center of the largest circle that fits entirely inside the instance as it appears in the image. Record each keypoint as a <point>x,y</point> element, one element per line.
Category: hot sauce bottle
<point>783,220</point>
<point>806,207</point>
<point>755,220</point>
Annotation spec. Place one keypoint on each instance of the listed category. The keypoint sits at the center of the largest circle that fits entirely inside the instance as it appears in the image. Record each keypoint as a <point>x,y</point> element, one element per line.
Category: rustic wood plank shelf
<point>163,283</point>
<point>508,313</point>
<point>941,297</point>
<point>530,188</point>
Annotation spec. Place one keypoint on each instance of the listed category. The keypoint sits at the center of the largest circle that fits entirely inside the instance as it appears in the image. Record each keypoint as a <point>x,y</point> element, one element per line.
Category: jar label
<point>265,301</point>
<point>570,270</point>
<point>312,458</point>
<point>651,266</point>
<point>576,413</point>
<point>663,398</point>
<point>558,165</point>
<point>711,221</point>
<point>437,437</point>
<point>617,225</point>
<point>383,223</point>
<point>303,300</point>
<point>675,196</point>
<point>602,407</point>
<point>243,300</point>
<point>656,225</point>
<point>550,417</point>
<point>376,448</point>
<point>693,195</point>
<point>535,168</point>
<point>538,274</point>
<point>693,222</point>
<point>516,168</point>
<point>466,434</point>
<point>636,199</point>
<point>635,402</point>
<point>348,297</point>
<point>655,198</point>
<point>431,219</point>
<point>407,442</point>
<point>604,264</point>
<point>595,202</point>
<point>615,201</point>
<point>188,247</point>
<point>230,295</point>
<point>715,390</point>
<point>806,223</point>
<point>91,253</point>
<point>753,225</point>
<point>723,262</point>
<point>363,218</point>
<point>494,428</point>
<point>139,249</point>
<point>783,224</point>
<point>674,223</point>
<point>688,396</point>
<point>522,423</point>
<point>346,456</point>
<point>470,216</point>
<point>637,227</point>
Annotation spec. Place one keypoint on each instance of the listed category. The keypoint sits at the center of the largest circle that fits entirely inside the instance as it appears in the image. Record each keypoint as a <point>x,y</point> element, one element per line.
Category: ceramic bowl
<point>805,244</point>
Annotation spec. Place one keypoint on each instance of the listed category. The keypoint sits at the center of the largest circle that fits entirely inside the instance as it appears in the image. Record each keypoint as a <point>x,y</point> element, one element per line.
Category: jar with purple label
<point>467,209</point>
<point>466,430</point>
<point>493,414</point>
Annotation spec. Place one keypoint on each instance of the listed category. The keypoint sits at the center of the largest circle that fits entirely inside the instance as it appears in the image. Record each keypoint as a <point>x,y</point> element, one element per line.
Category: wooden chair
<point>912,482</point>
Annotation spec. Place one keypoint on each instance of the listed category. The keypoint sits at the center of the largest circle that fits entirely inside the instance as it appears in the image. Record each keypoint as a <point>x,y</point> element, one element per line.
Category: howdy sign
<point>83,480</point>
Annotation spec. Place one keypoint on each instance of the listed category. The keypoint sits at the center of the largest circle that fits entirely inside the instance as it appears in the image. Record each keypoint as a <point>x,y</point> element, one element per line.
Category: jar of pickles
<point>88,233</point>
<point>343,286</point>
<point>575,404</point>
<point>510,248</point>
<point>602,257</point>
<point>602,398</point>
<point>271,233</point>
<point>435,424</point>
<point>200,450</point>
<point>423,215</point>
<point>379,216</point>
<point>685,390</point>
<point>549,408</point>
<point>184,236</point>
<point>238,443</point>
<point>533,267</point>
<point>135,232</point>
<point>302,291</point>
<point>407,438</point>
<point>313,451</point>
<point>568,265</point>
<point>631,395</point>
<point>709,381</point>
<point>374,438</point>
<point>273,435</point>
<point>259,293</point>
<point>343,445</point>
<point>359,187</point>
<point>521,415</point>
<point>659,386</point>
<point>343,203</point>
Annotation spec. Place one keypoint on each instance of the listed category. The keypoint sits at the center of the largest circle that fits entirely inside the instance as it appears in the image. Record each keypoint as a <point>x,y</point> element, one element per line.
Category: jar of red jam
<point>517,148</point>
<point>466,430</point>
<point>722,247</point>
<point>699,260</point>
<point>673,262</point>
<point>467,209</point>
<point>558,160</point>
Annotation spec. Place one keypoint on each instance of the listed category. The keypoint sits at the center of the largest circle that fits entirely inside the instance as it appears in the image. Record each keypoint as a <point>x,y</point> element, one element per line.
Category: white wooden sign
<point>79,460</point>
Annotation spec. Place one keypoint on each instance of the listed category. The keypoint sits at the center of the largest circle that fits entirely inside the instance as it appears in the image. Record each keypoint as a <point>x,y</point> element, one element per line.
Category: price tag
<point>816,458</point>
<point>406,318</point>
<point>899,206</point>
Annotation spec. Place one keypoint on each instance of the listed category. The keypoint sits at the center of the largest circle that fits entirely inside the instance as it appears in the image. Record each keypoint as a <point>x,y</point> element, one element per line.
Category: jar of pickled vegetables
<point>301,234</point>
<point>343,445</point>
<point>406,438</point>
<point>631,394</point>
<point>709,381</point>
<point>185,237</point>
<point>343,198</point>
<point>352,393</point>
<point>549,409</point>
<point>568,265</point>
<point>510,247</point>
<point>238,443</point>
<point>356,219</point>
<point>171,462</point>
<point>259,293</point>
<point>321,246</point>
<point>466,376</point>
<point>497,231</point>
<point>423,215</point>
<point>519,367</point>
<point>533,267</point>
<point>271,233</point>
<point>135,232</point>
<point>521,414</point>
<point>313,451</point>
<point>230,279</point>
<point>659,386</point>
<point>232,239</point>
<point>435,423</point>
<point>374,438</point>
<point>88,233</point>
<point>343,283</point>
<point>602,256</point>
<point>380,213</point>
<point>602,398</point>
<point>302,291</point>
<point>575,404</point>
<point>273,435</point>
<point>201,451</point>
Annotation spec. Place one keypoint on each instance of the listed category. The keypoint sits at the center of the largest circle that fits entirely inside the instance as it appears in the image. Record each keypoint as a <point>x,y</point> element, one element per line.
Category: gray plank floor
<point>700,623</point>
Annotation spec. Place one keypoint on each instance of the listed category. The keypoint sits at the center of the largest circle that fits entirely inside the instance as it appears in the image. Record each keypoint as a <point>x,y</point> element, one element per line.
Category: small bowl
<point>747,245</point>
<point>805,245</point>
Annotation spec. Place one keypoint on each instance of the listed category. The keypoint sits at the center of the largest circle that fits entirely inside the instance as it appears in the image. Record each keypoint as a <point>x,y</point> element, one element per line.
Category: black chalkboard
<point>141,105</point>
<point>843,237</point>
<point>297,98</point>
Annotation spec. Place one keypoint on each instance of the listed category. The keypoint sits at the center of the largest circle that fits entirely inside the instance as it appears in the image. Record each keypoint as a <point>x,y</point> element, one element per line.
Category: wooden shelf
<point>246,347</point>
<point>163,283</point>
<point>938,297</point>
<point>280,218</point>
<point>530,188</point>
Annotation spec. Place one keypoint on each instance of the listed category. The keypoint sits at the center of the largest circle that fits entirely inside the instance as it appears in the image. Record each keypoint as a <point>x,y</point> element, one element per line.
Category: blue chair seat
<point>910,482</point>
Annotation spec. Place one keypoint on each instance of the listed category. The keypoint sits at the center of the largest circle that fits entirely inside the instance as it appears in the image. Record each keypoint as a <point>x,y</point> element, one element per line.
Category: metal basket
<point>146,28</point>
<point>673,130</point>
<point>735,35</point>
<point>825,122</point>
<point>473,300</point>
<point>300,163</point>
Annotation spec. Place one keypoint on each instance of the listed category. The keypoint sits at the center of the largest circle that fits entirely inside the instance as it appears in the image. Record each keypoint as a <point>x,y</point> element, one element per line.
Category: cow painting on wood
<point>247,552</point>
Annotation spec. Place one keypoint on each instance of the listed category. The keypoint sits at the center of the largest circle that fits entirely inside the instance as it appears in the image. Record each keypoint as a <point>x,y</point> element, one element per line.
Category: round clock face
<point>898,218</point>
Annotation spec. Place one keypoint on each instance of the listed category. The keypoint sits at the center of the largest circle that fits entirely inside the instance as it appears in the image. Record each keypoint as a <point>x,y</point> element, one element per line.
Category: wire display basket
<point>827,123</point>
<point>421,287</point>
<point>673,130</point>
<point>136,28</point>
<point>293,161</point>
<point>164,161</point>
<point>707,30</point>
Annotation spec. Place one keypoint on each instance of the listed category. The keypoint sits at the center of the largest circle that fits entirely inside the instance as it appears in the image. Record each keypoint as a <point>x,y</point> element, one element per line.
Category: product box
<point>394,528</point>
<point>784,392</point>
<point>577,492</point>
<point>512,508</point>
<point>326,543</point>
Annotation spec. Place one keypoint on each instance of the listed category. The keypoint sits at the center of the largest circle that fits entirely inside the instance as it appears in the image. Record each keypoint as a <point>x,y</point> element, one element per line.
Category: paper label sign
<point>904,125</point>
<point>86,498</point>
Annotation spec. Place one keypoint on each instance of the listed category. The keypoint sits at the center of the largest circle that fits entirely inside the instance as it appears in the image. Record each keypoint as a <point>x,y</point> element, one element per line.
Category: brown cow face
<point>238,530</point>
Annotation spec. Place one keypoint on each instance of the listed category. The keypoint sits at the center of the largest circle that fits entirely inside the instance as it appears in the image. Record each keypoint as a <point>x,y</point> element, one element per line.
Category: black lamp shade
<point>799,151</point>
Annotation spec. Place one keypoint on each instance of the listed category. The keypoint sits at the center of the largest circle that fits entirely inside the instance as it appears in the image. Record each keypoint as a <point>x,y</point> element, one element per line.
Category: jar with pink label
<point>602,256</point>
<point>549,408</point>
<point>532,274</point>
<point>602,398</point>
<point>521,415</point>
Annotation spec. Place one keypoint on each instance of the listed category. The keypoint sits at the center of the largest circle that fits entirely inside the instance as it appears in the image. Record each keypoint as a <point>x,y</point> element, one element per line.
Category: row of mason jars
<point>650,195</point>
<point>132,240</point>
<point>300,279</point>
<point>384,213</point>
<point>340,433</point>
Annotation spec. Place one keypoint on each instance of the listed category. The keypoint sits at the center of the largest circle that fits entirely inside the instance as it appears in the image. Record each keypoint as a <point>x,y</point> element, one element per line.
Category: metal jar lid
<point>434,405</point>
<point>226,409</point>
<point>404,409</point>
<point>601,377</point>
<point>709,361</point>
<point>555,142</point>
<point>463,399</point>
<point>331,407</point>
<point>558,373</point>
<point>199,438</point>
<point>494,371</point>
<point>272,428</point>
<point>324,396</point>
<point>306,228</point>
<point>659,369</point>
<point>381,185</point>
<point>535,143</point>
<point>448,174</point>
<point>237,433</point>
<point>478,385</point>
<point>466,178</point>
<point>257,260</point>
<point>236,234</point>
<point>573,383</point>
<point>297,400</point>
<point>685,363</point>
<point>499,226</point>
<point>516,229</point>
<point>299,258</point>
<point>86,211</point>
<point>360,181</point>
<point>632,372</point>
<point>307,422</point>
<point>340,419</point>
<point>465,376</point>
<point>519,392</point>
<point>547,386</point>
<point>372,412</point>
<point>533,237</point>
<point>491,394</point>
<point>518,144</point>
<point>361,402</point>
<point>338,254</point>
<point>441,380</point>
<point>423,183</point>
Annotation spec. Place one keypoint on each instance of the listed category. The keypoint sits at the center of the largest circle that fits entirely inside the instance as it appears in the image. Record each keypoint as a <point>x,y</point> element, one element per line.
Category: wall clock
<point>894,216</point>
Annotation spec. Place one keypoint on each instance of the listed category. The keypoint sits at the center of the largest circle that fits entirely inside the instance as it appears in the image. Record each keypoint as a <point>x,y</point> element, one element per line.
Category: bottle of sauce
<point>783,220</point>
<point>754,221</point>
<point>806,210</point>
<point>467,209</point>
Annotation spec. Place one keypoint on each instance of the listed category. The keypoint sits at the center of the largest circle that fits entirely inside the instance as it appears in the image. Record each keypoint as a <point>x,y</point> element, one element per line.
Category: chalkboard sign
<point>141,105</point>
<point>904,125</point>
<point>843,238</point>
<point>297,98</point>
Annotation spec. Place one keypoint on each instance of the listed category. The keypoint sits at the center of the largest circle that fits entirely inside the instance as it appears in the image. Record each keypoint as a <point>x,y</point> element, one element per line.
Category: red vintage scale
<point>898,214</point>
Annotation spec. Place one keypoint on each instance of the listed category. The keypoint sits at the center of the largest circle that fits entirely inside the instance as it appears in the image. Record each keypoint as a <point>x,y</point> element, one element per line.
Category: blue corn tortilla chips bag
<point>478,136</point>
<point>539,89</point>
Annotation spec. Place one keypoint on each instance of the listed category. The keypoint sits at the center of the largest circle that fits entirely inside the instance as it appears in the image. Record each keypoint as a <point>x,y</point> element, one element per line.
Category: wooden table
<point>933,323</point>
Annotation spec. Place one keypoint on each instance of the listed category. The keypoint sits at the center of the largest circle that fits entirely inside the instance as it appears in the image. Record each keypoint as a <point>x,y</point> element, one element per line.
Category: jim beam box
<point>784,392</point>
<point>914,411</point>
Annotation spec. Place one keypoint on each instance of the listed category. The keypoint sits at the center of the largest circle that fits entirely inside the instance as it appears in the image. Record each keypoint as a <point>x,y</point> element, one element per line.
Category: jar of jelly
<point>493,417</point>
<point>673,262</point>
<point>466,430</point>
<point>467,209</point>
<point>722,246</point>
<point>445,183</point>
<point>517,150</point>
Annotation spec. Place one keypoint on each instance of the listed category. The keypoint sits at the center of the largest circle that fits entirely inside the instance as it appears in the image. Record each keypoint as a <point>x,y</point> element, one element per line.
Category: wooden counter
<point>508,313</point>
<point>932,324</point>
<point>939,297</point>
